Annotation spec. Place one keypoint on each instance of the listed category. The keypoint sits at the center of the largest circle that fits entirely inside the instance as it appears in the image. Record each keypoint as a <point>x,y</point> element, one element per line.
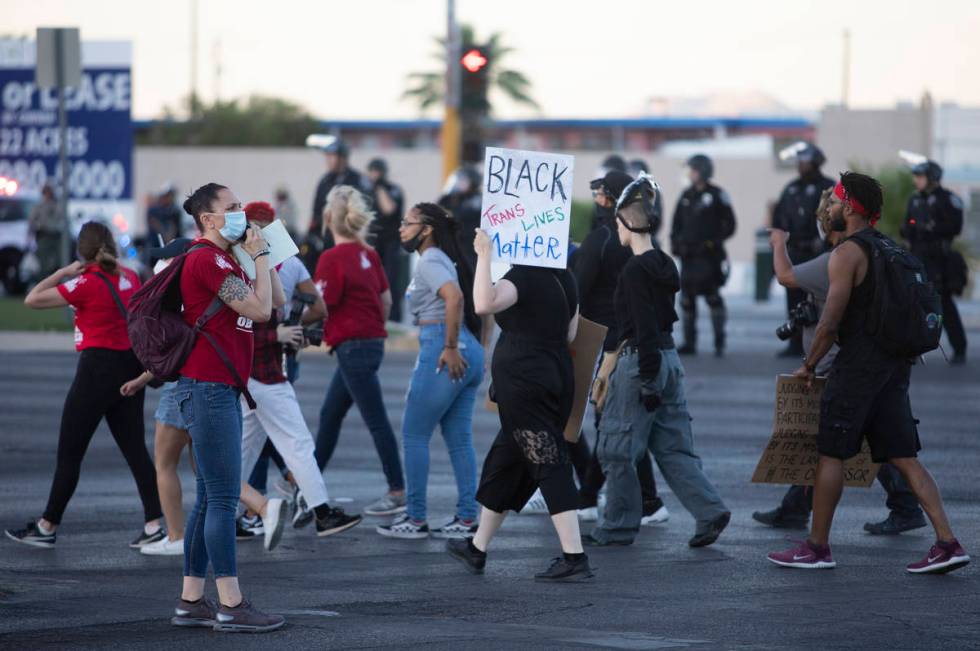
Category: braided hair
<point>444,229</point>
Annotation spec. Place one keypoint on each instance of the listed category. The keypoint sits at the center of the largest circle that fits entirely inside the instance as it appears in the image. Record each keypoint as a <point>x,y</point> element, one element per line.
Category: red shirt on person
<point>351,279</point>
<point>98,321</point>
<point>203,273</point>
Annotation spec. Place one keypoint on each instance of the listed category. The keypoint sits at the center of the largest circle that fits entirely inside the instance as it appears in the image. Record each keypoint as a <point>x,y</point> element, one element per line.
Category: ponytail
<point>444,230</point>
<point>95,244</point>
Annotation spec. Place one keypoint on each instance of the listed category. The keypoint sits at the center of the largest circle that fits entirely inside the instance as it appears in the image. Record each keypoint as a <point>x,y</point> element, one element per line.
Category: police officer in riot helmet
<point>933,219</point>
<point>319,239</point>
<point>602,213</point>
<point>796,213</point>
<point>703,220</point>
<point>389,203</point>
<point>463,199</point>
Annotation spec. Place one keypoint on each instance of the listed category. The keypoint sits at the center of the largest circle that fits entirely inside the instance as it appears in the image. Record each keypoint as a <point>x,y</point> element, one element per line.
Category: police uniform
<point>703,220</point>
<point>796,213</point>
<point>933,219</point>
<point>317,241</point>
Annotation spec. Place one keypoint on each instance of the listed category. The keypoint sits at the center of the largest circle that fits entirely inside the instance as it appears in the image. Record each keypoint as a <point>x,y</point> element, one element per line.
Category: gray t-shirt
<point>813,277</point>
<point>433,270</point>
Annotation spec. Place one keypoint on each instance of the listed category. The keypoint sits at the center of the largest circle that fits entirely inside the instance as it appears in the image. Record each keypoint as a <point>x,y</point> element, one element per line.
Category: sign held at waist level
<point>527,206</point>
<point>791,455</point>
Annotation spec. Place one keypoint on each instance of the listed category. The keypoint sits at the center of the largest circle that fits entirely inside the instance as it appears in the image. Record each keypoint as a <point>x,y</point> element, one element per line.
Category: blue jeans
<point>434,399</point>
<point>213,417</point>
<point>356,381</point>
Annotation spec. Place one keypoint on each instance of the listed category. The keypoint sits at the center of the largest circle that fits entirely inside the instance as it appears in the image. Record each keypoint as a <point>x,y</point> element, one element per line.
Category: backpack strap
<point>115,295</point>
<point>213,308</point>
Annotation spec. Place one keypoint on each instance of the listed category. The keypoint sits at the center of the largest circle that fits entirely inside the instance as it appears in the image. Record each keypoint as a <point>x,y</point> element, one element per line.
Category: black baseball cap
<point>176,246</point>
<point>613,183</point>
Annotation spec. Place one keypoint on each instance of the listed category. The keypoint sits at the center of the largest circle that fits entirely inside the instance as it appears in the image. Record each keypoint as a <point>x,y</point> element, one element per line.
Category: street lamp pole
<point>450,123</point>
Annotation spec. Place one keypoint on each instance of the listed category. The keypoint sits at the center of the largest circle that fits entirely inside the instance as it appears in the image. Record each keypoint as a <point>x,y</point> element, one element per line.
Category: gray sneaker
<point>199,614</point>
<point>244,618</point>
<point>388,505</point>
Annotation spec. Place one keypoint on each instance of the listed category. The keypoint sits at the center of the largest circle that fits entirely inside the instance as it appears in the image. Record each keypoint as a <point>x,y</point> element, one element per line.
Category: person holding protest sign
<point>440,300</point>
<point>98,289</point>
<point>813,277</point>
<point>646,408</point>
<point>355,290</point>
<point>866,395</point>
<point>533,384</point>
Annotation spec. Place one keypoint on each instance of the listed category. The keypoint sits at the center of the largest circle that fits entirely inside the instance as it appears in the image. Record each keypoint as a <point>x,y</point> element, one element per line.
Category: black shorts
<point>865,401</point>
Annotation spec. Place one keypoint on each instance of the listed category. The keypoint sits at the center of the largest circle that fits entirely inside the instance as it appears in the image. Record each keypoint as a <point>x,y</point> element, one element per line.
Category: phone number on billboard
<point>89,179</point>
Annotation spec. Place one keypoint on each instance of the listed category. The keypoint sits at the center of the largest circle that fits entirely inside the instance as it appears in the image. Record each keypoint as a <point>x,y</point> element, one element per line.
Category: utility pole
<point>58,65</point>
<point>450,122</point>
<point>217,69</point>
<point>845,93</point>
<point>193,98</point>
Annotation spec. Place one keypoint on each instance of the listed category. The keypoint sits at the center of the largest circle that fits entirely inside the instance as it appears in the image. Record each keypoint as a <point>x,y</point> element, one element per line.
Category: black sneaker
<point>31,535</point>
<point>958,359</point>
<point>244,618</point>
<point>687,349</point>
<point>147,538</point>
<point>566,571</point>
<point>248,528</point>
<point>195,614</point>
<point>591,541</point>
<point>463,551</point>
<point>779,520</point>
<point>335,522</point>
<point>710,535</point>
<point>895,524</point>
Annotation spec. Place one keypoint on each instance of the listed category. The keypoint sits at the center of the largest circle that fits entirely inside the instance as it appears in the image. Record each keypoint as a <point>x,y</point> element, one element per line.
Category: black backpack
<point>905,316</point>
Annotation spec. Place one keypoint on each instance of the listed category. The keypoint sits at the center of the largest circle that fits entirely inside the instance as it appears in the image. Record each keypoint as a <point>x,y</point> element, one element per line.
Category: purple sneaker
<point>805,556</point>
<point>943,557</point>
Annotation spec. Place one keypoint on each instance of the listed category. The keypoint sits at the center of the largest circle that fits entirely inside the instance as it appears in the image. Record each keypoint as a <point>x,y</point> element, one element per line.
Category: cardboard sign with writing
<point>527,206</point>
<point>791,455</point>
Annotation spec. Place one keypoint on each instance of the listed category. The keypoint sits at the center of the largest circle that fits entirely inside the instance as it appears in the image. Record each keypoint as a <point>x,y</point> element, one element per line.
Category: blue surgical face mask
<point>234,227</point>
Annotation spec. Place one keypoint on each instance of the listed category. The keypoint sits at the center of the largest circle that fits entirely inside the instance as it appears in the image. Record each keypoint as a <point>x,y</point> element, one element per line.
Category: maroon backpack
<point>161,339</point>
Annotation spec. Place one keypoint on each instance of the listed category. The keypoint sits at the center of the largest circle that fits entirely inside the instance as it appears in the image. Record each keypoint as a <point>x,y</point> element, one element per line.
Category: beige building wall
<point>254,173</point>
<point>872,137</point>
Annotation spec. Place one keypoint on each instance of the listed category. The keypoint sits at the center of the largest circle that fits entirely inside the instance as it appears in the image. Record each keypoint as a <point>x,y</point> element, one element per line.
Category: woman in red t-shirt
<point>352,281</point>
<point>99,290</point>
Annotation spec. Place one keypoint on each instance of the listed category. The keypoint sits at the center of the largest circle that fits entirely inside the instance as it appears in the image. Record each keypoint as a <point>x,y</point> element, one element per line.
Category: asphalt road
<point>359,590</point>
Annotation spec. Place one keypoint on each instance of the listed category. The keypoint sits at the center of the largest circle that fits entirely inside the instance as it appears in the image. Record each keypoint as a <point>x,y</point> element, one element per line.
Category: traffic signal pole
<point>450,125</point>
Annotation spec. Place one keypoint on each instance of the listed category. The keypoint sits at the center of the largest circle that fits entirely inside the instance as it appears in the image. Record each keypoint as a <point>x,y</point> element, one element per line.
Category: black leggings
<point>93,395</point>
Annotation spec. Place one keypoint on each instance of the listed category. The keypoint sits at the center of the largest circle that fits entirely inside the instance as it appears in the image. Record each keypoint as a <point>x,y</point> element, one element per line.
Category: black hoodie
<point>645,306</point>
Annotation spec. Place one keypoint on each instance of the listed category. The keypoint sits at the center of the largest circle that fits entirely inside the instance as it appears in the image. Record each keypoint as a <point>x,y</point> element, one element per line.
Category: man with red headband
<point>867,391</point>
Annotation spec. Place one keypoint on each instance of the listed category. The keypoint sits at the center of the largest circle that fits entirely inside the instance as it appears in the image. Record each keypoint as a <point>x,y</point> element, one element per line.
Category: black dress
<point>533,385</point>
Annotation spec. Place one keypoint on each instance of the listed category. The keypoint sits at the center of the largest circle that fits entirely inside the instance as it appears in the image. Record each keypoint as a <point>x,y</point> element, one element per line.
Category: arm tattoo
<point>232,289</point>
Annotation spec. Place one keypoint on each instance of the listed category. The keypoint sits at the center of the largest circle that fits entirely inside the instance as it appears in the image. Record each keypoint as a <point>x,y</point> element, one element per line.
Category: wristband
<point>454,347</point>
<point>810,367</point>
<point>260,254</point>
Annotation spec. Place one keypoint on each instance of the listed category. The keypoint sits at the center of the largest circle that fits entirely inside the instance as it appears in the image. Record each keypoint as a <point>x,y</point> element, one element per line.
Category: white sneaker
<point>165,547</point>
<point>456,528</point>
<point>660,516</point>
<point>387,504</point>
<point>274,521</point>
<point>590,514</point>
<point>536,505</point>
<point>404,527</point>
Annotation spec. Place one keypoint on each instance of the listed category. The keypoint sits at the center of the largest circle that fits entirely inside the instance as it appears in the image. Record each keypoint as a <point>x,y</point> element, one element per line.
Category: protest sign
<point>527,206</point>
<point>281,248</point>
<point>791,454</point>
<point>585,350</point>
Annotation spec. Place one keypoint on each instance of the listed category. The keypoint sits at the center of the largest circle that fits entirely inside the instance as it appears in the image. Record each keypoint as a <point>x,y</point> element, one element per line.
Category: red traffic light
<point>473,60</point>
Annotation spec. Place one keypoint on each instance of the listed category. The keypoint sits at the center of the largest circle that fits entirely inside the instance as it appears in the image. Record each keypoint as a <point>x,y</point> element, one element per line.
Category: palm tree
<point>428,89</point>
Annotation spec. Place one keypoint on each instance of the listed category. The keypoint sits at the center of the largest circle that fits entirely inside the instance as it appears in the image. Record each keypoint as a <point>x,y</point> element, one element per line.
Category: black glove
<point>649,396</point>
